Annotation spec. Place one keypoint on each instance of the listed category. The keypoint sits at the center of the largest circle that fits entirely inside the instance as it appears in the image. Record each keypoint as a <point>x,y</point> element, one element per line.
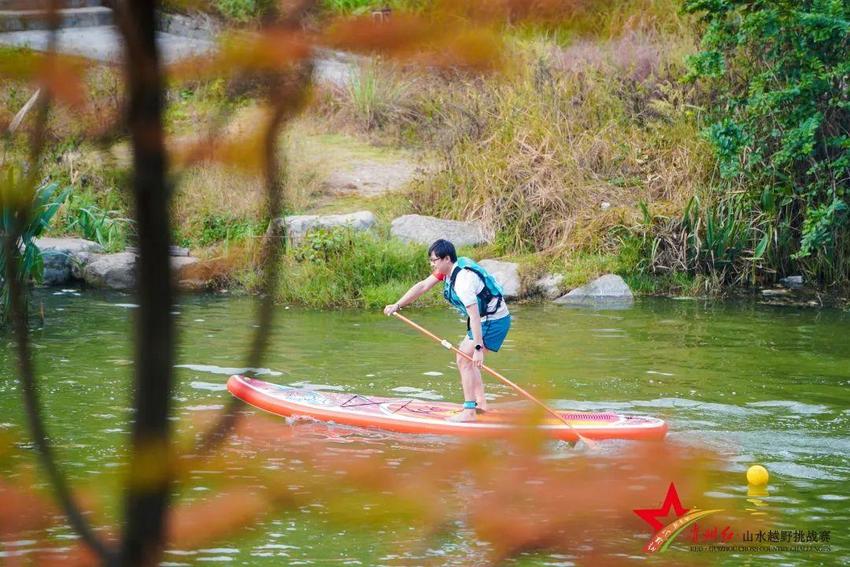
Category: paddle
<point>446,344</point>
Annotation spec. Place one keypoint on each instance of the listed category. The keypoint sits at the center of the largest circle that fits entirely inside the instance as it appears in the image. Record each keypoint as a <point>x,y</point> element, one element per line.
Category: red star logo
<point>651,515</point>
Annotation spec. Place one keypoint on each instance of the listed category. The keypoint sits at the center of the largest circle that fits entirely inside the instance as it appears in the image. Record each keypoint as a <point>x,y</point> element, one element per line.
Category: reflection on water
<point>754,384</point>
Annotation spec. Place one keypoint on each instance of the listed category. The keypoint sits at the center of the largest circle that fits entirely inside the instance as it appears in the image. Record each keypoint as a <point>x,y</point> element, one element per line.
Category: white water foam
<point>227,371</point>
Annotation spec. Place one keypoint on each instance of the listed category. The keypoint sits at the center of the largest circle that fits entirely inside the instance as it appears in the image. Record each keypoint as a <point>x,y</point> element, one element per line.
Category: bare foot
<point>482,406</point>
<point>463,417</point>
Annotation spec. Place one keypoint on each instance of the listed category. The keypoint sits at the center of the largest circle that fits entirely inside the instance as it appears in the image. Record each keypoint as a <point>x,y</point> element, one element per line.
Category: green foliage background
<point>778,75</point>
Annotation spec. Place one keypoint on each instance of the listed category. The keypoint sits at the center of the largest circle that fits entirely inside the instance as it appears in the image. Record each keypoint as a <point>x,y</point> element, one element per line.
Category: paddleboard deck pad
<point>426,417</point>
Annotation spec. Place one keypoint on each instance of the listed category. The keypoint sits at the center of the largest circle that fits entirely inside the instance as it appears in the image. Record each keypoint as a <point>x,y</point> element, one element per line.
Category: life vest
<point>491,289</point>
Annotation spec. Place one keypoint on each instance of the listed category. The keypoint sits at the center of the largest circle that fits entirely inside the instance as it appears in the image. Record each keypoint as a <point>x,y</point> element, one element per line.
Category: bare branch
<point>22,113</point>
<point>150,479</point>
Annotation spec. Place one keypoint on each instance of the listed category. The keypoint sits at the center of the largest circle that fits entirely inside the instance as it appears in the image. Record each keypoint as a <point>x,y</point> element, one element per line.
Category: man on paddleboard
<point>475,294</point>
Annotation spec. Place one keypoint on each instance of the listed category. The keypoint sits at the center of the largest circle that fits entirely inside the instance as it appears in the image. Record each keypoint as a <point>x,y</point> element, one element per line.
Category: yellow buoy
<point>757,475</point>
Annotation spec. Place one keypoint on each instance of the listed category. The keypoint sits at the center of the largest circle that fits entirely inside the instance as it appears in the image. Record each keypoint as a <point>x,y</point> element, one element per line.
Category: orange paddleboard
<point>419,416</point>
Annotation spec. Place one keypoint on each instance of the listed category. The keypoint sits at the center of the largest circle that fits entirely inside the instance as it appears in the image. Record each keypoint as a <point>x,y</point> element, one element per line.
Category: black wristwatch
<point>478,347</point>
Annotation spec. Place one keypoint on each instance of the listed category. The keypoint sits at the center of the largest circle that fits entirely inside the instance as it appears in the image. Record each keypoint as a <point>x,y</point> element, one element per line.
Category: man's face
<point>442,265</point>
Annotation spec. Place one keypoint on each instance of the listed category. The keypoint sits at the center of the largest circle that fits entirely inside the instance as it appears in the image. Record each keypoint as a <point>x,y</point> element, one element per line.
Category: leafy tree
<point>780,71</point>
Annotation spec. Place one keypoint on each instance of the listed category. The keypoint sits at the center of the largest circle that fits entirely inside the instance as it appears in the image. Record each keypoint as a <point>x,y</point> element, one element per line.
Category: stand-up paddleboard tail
<point>425,417</point>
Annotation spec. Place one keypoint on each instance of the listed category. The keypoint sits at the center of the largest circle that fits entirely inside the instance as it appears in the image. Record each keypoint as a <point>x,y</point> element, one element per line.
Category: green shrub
<point>702,242</point>
<point>215,228</point>
<point>244,11</point>
<point>343,268</point>
<point>779,72</point>
<point>357,7</point>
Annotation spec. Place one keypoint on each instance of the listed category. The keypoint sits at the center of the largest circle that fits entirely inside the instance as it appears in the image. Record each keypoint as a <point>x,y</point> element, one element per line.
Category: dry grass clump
<point>566,147</point>
<point>223,196</point>
<point>605,19</point>
<point>95,115</point>
<point>591,119</point>
<point>213,189</point>
<point>220,266</point>
<point>379,98</point>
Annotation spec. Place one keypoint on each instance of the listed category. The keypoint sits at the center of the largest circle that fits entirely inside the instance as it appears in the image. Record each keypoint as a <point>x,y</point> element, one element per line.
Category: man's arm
<point>477,335</point>
<point>414,293</point>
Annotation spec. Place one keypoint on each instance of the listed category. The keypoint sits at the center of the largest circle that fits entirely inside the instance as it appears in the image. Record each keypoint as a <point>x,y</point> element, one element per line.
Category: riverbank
<point>580,159</point>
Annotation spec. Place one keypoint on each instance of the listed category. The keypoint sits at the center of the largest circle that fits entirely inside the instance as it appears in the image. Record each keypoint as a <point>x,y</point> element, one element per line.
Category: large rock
<point>180,263</point>
<point>297,226</point>
<point>506,274</point>
<point>172,250</point>
<point>60,254</point>
<point>118,271</point>
<point>186,277</point>
<point>549,285</point>
<point>79,261</point>
<point>609,291</point>
<point>196,26</point>
<point>111,271</point>
<point>425,230</point>
<point>792,282</point>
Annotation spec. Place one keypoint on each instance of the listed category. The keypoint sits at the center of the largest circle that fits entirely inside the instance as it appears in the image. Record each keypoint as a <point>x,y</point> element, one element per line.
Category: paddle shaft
<point>516,387</point>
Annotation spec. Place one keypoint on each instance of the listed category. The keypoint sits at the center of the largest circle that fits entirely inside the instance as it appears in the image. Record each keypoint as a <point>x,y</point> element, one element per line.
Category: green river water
<point>754,383</point>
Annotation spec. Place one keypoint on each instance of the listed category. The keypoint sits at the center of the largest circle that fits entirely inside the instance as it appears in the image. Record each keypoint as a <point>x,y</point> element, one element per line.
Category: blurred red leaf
<point>274,49</point>
<point>191,525</point>
<point>513,11</point>
<point>63,78</point>
<point>22,510</point>
<point>403,33</point>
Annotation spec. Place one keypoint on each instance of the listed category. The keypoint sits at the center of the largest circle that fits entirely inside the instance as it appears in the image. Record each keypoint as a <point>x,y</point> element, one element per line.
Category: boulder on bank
<point>792,282</point>
<point>69,259</point>
<point>60,254</point>
<point>180,263</point>
<point>118,271</point>
<point>420,229</point>
<point>608,291</point>
<point>111,271</point>
<point>172,250</point>
<point>549,285</point>
<point>297,226</point>
<point>197,26</point>
<point>184,275</point>
<point>506,274</point>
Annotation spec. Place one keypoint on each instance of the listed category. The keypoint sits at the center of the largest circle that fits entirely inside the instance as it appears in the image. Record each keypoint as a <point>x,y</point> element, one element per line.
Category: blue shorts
<point>494,332</point>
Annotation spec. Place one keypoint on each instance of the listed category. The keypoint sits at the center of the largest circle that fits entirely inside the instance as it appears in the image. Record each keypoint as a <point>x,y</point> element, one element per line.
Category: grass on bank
<point>554,156</point>
<point>343,268</point>
<point>561,154</point>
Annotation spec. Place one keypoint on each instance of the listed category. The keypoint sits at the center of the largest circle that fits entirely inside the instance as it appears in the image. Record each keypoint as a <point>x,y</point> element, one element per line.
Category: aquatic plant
<point>107,228</point>
<point>24,216</point>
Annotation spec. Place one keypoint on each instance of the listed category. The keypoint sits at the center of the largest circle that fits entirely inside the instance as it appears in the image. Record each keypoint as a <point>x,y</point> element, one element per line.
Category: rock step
<point>45,4</point>
<point>606,292</point>
<point>24,20</point>
<point>297,226</point>
<point>425,230</point>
